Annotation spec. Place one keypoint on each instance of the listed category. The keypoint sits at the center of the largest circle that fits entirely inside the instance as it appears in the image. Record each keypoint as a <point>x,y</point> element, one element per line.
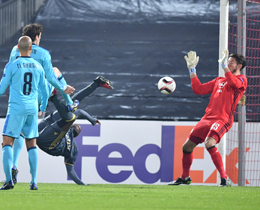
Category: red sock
<point>186,164</point>
<point>217,160</point>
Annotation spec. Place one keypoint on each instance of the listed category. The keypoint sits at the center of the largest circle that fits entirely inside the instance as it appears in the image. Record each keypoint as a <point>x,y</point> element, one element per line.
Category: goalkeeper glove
<point>192,60</point>
<point>223,60</point>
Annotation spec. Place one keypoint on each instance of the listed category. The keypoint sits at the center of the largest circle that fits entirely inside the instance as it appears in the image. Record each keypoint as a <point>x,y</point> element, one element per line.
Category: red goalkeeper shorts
<point>208,128</point>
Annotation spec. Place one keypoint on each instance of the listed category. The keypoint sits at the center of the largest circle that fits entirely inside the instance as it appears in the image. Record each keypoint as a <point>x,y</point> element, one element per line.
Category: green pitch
<point>72,196</point>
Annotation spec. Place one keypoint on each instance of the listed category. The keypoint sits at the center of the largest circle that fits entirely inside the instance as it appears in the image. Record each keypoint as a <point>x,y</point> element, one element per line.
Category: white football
<point>166,85</point>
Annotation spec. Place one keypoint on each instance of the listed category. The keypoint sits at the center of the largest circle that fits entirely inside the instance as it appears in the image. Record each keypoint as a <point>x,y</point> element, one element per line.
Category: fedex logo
<point>169,156</point>
<point>137,160</point>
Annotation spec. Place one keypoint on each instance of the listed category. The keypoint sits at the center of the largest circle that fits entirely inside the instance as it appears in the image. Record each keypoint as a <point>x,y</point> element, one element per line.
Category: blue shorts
<point>27,124</point>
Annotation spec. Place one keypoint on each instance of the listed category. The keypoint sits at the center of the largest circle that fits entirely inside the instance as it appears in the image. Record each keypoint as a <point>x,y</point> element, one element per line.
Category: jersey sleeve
<point>72,174</point>
<point>202,89</point>
<point>6,79</point>
<point>236,82</point>
<point>44,91</point>
<point>51,77</point>
<point>82,114</point>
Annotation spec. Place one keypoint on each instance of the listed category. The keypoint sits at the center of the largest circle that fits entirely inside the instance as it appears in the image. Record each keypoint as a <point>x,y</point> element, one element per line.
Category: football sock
<point>7,158</point>
<point>85,92</point>
<point>65,96</point>
<point>217,160</point>
<point>33,162</point>
<point>17,147</point>
<point>187,159</point>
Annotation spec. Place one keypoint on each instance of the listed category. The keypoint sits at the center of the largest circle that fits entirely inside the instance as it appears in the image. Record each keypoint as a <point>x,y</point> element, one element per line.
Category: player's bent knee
<point>210,142</point>
<point>188,146</point>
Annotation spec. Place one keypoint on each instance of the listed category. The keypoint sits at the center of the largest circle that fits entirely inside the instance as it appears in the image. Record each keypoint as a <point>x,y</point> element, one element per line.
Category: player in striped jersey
<point>26,77</point>
<point>218,119</point>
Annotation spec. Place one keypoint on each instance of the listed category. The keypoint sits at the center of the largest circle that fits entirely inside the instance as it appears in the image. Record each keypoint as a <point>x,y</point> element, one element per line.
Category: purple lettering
<point>103,161</point>
<point>168,140</point>
<point>85,150</point>
<point>165,153</point>
<point>139,163</point>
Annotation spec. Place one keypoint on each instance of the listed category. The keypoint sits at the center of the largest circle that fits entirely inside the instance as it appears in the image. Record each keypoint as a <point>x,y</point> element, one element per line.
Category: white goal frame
<point>223,44</point>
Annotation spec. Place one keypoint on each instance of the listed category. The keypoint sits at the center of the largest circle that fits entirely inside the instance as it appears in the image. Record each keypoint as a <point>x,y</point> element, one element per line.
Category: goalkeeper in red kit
<point>219,115</point>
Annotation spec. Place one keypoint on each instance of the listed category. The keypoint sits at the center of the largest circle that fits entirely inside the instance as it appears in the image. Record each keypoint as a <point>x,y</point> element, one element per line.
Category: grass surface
<point>72,196</point>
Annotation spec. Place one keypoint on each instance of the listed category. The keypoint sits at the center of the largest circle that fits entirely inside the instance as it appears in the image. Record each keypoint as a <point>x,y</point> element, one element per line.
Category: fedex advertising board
<point>125,152</point>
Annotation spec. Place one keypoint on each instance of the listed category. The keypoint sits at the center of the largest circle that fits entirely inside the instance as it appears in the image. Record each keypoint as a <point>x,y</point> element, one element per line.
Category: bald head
<point>25,44</point>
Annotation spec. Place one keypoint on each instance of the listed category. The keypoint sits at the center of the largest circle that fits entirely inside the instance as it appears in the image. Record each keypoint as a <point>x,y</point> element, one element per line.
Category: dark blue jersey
<point>54,141</point>
<point>55,116</point>
<point>50,119</point>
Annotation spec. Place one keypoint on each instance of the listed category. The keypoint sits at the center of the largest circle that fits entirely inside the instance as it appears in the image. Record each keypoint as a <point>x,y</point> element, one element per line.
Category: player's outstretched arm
<point>44,92</point>
<point>82,114</point>
<point>201,89</point>
<point>49,73</point>
<point>72,174</point>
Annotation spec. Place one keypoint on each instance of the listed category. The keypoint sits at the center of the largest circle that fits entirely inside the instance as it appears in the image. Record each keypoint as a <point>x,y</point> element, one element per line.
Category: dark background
<point>133,44</point>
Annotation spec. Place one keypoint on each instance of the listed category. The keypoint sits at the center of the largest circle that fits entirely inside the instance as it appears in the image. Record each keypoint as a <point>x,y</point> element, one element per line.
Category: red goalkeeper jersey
<point>225,95</point>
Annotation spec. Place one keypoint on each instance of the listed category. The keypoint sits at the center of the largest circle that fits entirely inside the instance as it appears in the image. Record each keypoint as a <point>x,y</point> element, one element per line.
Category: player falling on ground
<point>57,131</point>
<point>218,119</point>
<point>26,78</point>
<point>34,31</point>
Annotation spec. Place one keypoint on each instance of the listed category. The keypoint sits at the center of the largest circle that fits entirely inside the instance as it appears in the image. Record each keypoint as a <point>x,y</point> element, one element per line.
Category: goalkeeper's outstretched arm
<point>192,60</point>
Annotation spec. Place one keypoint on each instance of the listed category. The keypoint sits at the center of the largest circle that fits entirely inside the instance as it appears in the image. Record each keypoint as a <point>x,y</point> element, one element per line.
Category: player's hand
<point>192,60</point>
<point>40,113</point>
<point>69,90</point>
<point>223,60</point>
<point>97,122</point>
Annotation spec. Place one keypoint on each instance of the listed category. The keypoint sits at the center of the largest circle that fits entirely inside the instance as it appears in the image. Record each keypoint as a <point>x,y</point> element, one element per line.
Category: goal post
<point>223,44</point>
<point>241,49</point>
<point>243,139</point>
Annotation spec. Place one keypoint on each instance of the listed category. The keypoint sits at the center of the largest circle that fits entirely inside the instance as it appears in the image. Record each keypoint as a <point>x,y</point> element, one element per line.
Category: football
<point>166,85</point>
